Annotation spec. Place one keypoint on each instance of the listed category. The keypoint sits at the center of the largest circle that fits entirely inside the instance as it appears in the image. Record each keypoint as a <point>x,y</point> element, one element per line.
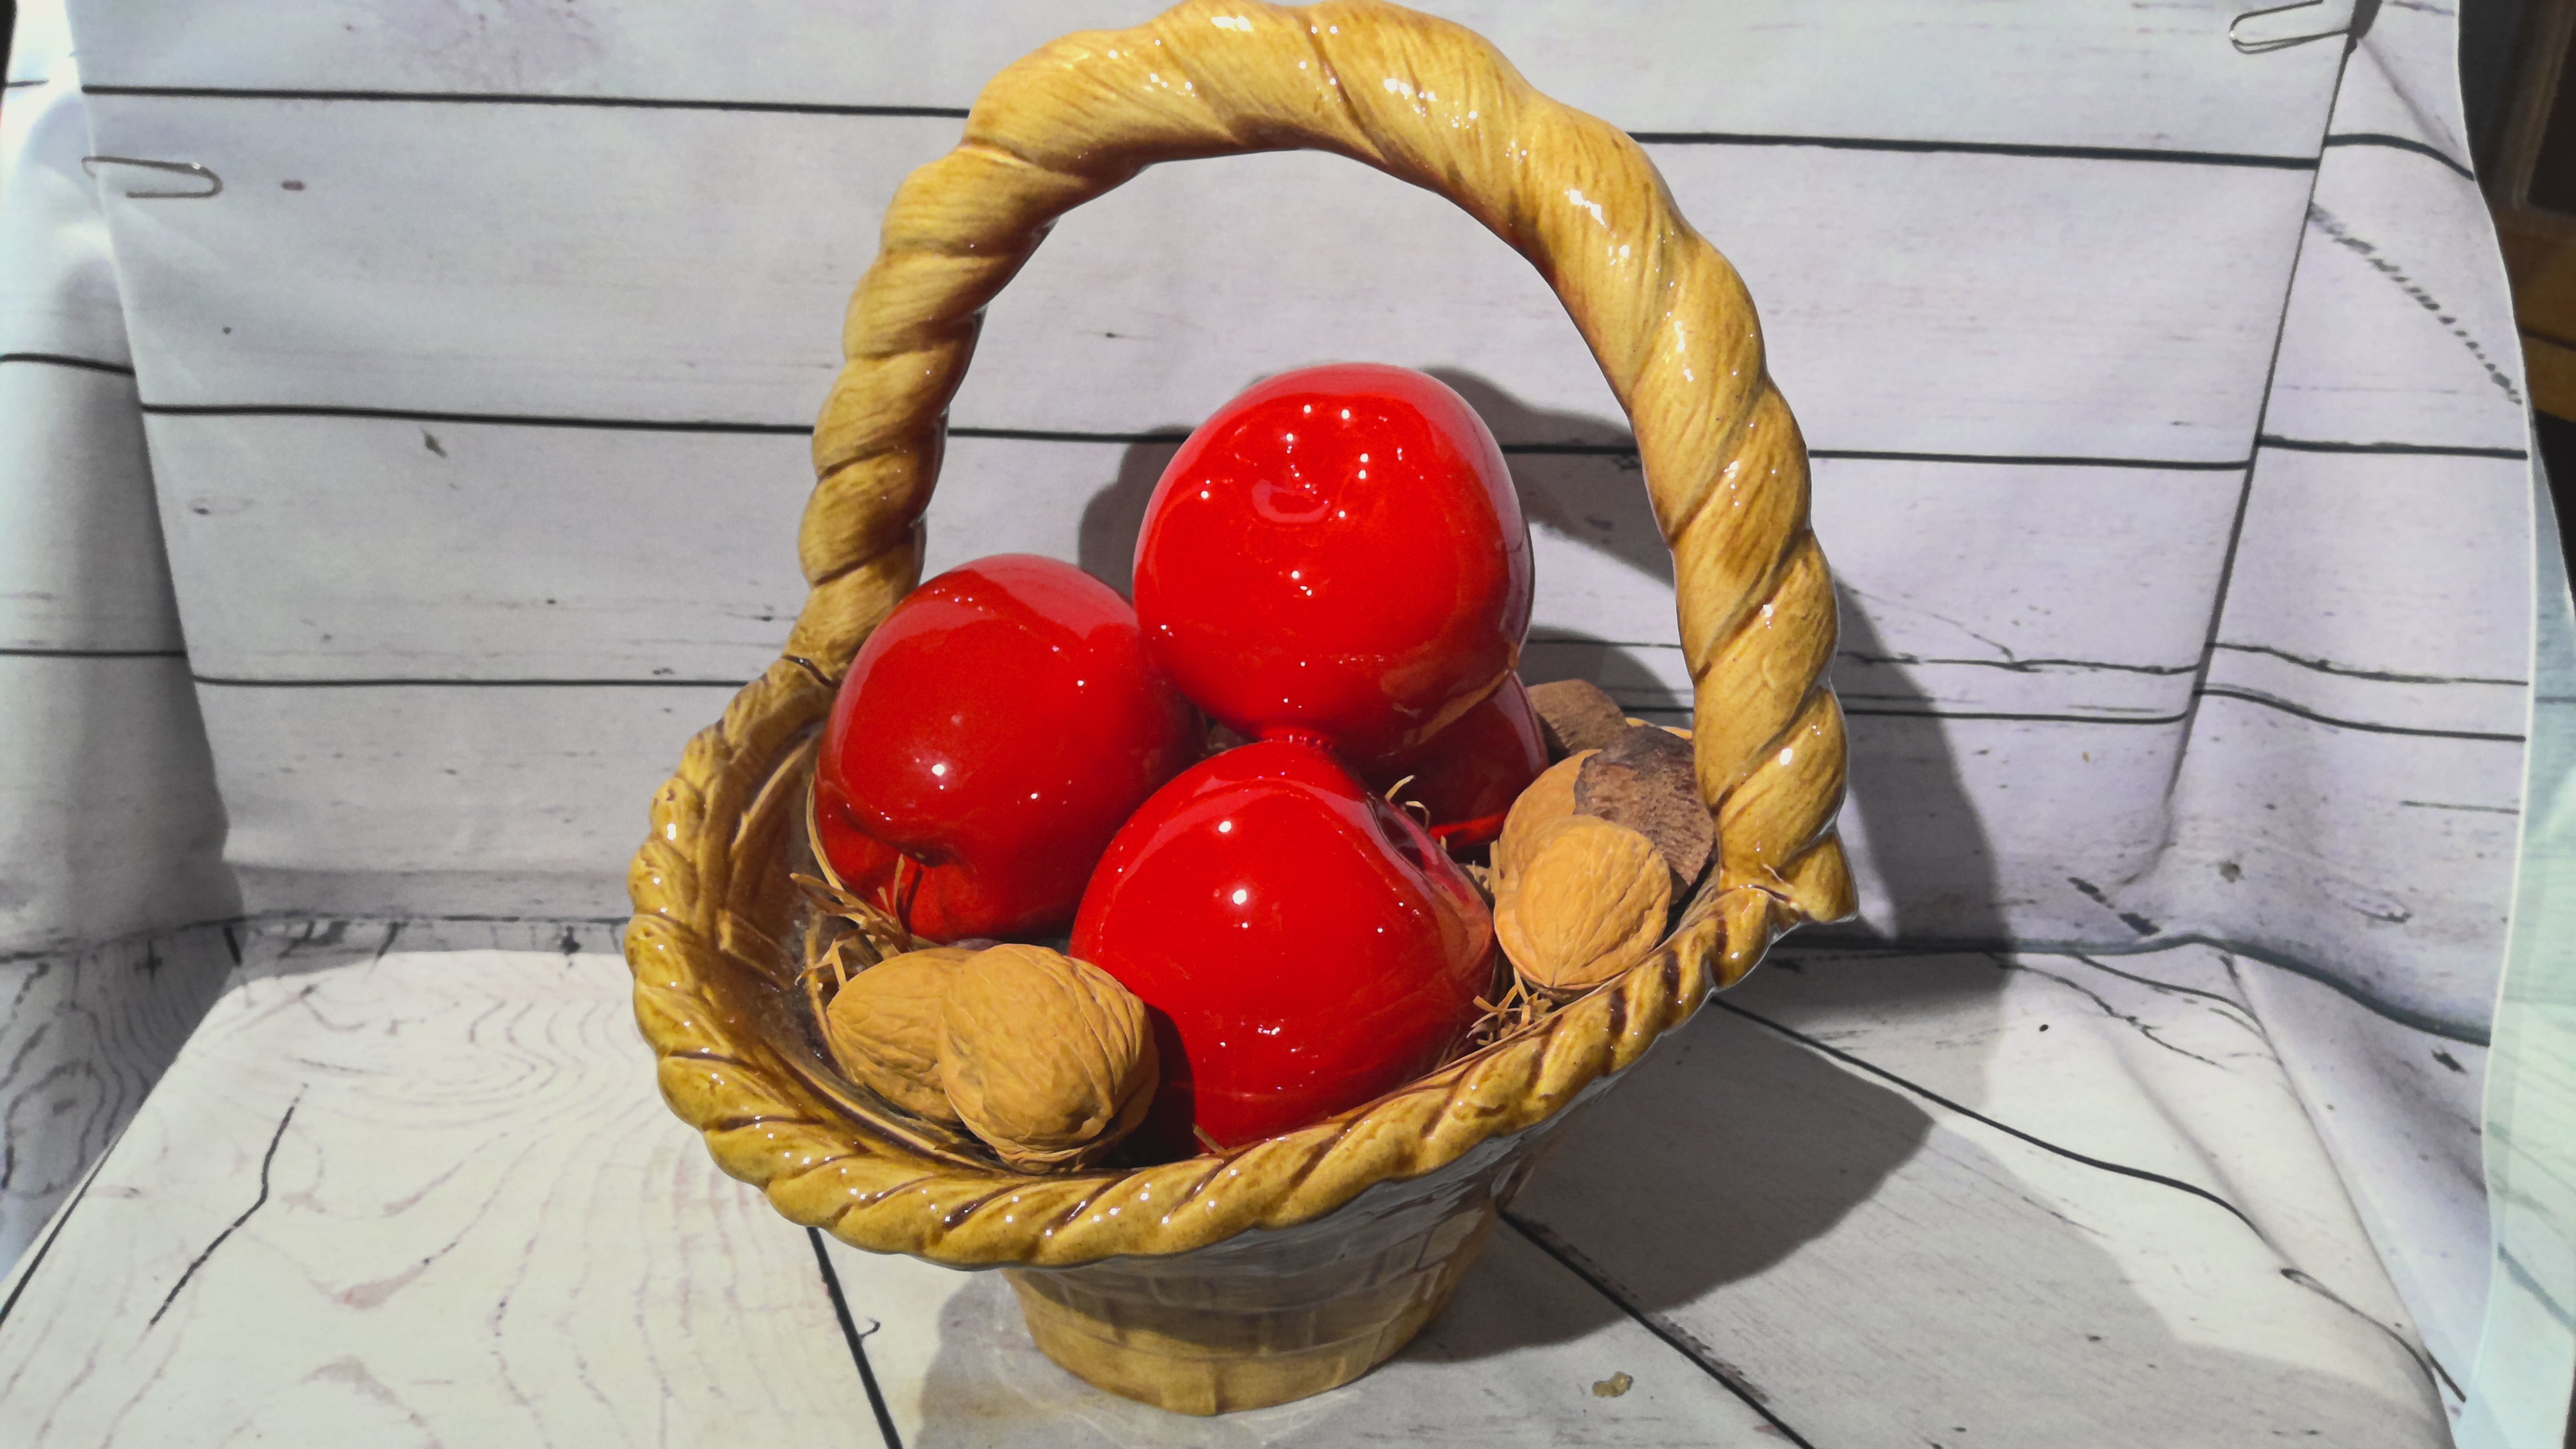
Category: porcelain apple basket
<point>1282,1268</point>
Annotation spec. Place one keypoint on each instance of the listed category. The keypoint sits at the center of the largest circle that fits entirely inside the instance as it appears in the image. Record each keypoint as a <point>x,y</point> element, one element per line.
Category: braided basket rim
<point>704,944</point>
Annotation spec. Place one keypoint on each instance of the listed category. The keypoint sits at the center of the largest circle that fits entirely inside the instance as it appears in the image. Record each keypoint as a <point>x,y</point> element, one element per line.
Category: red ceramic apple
<point>996,730</point>
<point>1304,946</point>
<point>1338,555</point>
<point>942,902</point>
<point>1468,775</point>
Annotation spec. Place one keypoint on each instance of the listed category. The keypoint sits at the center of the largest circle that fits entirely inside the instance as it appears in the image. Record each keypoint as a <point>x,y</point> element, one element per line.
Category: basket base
<point>1248,1342</point>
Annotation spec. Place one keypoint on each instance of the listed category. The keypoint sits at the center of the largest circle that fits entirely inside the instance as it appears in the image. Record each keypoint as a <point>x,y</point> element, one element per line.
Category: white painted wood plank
<point>84,1035</point>
<point>433,550</point>
<point>682,265</point>
<point>1949,303</point>
<point>2373,107</point>
<point>407,800</point>
<point>1511,1361</point>
<point>2403,79</point>
<point>2444,703</point>
<point>2101,74</point>
<point>80,554</point>
<point>2400,329</point>
<point>478,1223</point>
<point>109,821</point>
<point>81,564</point>
<point>357,800</point>
<point>2371,868</point>
<point>58,293</point>
<point>2383,861</point>
<point>2154,1060</point>
<point>1978,588</point>
<point>1988,830</point>
<point>413,800</point>
<point>347,547</point>
<point>1888,1270</point>
<point>2380,856</point>
<point>1898,313</point>
<point>42,32</point>
<point>429,1199</point>
<point>469,1218</point>
<point>2399,1112</point>
<point>2452,601</point>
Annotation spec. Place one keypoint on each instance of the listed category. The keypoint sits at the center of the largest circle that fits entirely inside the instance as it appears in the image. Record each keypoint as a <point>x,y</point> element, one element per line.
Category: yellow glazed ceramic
<point>1283,1268</point>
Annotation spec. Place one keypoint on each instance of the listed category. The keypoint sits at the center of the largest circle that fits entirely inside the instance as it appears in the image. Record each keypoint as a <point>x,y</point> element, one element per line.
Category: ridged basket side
<point>1266,1317</point>
<point>1669,321</point>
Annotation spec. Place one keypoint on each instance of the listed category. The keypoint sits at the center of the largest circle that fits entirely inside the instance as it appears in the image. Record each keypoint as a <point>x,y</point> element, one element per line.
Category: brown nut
<point>1549,797</point>
<point>1646,779</point>
<point>1587,901</point>
<point>1046,1058</point>
<point>883,1028</point>
<point>1576,715</point>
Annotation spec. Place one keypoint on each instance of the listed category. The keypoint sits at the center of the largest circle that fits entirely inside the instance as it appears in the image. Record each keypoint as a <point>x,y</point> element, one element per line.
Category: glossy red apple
<point>943,902</point>
<point>1303,945</point>
<point>1468,775</point>
<point>996,730</point>
<point>1338,555</point>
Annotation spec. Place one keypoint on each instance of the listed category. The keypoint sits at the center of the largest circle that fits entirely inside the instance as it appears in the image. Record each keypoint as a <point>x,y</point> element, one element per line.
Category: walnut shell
<point>1046,1058</point>
<point>1647,780</point>
<point>883,1028</point>
<point>1576,715</point>
<point>1587,900</point>
<point>1548,798</point>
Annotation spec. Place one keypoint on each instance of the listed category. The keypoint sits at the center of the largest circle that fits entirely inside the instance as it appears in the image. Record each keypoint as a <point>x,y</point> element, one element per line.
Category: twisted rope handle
<point>1433,104</point>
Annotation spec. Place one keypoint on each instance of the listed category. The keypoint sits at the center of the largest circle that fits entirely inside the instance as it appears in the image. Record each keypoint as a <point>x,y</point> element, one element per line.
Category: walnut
<point>883,1028</point>
<point>1645,780</point>
<point>1550,797</point>
<point>1586,900</point>
<point>1576,715</point>
<point>1046,1058</point>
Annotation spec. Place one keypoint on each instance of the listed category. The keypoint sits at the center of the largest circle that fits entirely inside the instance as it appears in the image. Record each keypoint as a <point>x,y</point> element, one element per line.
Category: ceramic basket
<point>1285,1267</point>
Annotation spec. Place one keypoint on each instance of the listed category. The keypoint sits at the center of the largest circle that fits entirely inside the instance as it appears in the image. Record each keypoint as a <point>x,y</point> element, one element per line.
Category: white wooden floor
<point>393,1197</point>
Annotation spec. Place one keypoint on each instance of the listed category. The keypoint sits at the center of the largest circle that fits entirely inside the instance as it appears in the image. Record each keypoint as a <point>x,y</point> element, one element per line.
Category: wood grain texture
<point>2109,75</point>
<point>1960,827</point>
<point>109,820</point>
<point>109,823</point>
<point>1512,1361</point>
<point>2397,331</point>
<point>2396,408</point>
<point>2403,80</point>
<point>1927,1145</point>
<point>2372,806</point>
<point>526,553</point>
<point>486,586</point>
<point>509,802</point>
<point>1154,305</point>
<point>80,545</point>
<point>442,1190</point>
<point>2094,613</point>
<point>2398,641</point>
<point>2400,1117</point>
<point>110,826</point>
<point>695,320</point>
<point>400,1196</point>
<point>83,1036</point>
<point>58,295</point>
